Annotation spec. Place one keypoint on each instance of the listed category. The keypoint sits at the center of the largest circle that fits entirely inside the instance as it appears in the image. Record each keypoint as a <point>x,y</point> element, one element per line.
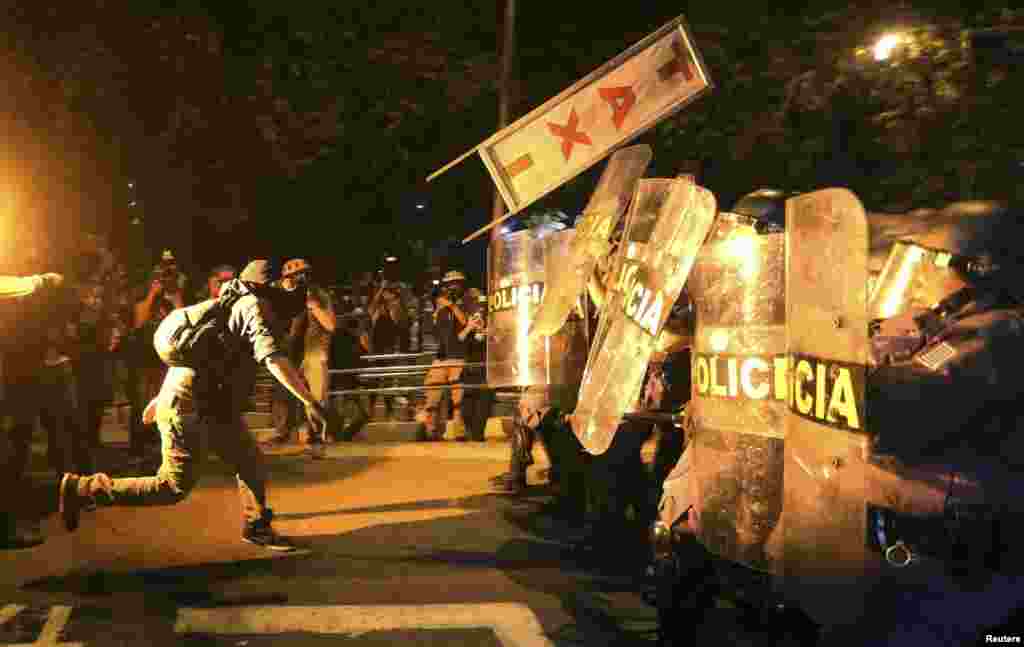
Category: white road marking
<point>49,635</point>
<point>514,624</point>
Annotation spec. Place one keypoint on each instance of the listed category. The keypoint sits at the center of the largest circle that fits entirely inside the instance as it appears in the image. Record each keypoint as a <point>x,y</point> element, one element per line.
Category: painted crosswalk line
<point>49,635</point>
<point>515,625</point>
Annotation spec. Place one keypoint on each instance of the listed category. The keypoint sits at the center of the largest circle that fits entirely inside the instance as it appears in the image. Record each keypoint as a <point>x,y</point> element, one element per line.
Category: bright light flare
<point>719,340</point>
<point>741,247</point>
<point>885,46</point>
<point>523,334</point>
<point>895,297</point>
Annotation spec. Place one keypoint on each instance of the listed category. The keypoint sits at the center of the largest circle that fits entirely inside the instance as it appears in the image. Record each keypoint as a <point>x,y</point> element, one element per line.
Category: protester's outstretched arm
<point>15,287</point>
<point>285,372</point>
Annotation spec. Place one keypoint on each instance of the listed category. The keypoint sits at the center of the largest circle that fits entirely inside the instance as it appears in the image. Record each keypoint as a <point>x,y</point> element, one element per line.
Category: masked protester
<point>453,313</point>
<point>212,350</point>
<point>310,336</point>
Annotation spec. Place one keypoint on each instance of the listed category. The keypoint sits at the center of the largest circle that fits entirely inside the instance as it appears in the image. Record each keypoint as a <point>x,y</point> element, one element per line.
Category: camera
<point>480,334</point>
<point>167,271</point>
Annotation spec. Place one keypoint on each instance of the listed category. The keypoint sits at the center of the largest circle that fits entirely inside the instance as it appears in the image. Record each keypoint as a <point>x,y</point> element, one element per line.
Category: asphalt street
<point>395,545</point>
<point>400,543</point>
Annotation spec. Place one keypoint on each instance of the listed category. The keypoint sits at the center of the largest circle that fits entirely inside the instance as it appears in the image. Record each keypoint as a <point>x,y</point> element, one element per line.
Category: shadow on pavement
<point>284,471</point>
<point>488,553</point>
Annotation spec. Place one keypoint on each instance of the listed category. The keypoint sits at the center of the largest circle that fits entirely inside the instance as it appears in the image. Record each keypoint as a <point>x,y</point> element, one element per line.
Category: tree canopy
<point>309,127</point>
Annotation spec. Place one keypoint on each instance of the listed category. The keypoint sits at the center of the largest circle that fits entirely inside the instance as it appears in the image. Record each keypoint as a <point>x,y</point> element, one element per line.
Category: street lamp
<point>886,45</point>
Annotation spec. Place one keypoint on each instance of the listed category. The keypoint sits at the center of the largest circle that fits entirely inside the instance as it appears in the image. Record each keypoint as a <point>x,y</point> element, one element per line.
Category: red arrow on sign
<point>621,99</point>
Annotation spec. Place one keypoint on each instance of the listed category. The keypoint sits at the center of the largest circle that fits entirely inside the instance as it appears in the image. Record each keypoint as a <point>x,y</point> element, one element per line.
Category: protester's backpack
<point>197,334</point>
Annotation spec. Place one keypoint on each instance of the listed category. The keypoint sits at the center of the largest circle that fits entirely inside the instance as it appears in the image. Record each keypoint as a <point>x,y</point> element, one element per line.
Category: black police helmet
<point>766,206</point>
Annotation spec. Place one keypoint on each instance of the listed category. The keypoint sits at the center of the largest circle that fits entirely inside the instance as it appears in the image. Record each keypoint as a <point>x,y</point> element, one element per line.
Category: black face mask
<point>285,305</point>
<point>289,304</point>
<point>455,291</point>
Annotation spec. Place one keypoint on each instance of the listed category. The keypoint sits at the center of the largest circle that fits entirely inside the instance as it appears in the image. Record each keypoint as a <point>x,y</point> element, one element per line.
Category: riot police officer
<point>938,474</point>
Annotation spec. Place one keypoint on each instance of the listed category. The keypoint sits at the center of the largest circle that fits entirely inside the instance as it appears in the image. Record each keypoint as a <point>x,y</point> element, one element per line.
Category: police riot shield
<point>827,443</point>
<point>518,266</point>
<point>668,222</point>
<point>738,406</point>
<point>591,242</point>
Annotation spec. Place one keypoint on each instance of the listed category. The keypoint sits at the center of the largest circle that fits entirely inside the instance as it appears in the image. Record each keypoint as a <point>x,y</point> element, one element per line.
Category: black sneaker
<point>510,483</point>
<point>262,534</point>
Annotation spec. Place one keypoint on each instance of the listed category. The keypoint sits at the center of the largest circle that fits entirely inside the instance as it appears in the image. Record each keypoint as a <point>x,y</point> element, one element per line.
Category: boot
<point>262,533</point>
<point>510,482</point>
<point>455,430</point>
<point>78,493</point>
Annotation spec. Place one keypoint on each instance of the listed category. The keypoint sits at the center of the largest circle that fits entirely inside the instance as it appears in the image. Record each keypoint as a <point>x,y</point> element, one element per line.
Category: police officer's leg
<point>572,462</point>
<point>476,407</point>
<point>618,477</point>
<point>555,450</point>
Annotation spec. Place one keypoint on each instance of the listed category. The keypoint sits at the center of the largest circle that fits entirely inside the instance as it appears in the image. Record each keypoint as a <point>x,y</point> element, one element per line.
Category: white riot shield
<point>738,405</point>
<point>826,548</point>
<point>599,220</point>
<point>668,222</point>
<point>518,269</point>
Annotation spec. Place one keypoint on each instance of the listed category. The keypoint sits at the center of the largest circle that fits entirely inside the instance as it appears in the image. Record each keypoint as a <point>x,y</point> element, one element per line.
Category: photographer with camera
<point>454,320</point>
<point>389,328</point>
<point>164,293</point>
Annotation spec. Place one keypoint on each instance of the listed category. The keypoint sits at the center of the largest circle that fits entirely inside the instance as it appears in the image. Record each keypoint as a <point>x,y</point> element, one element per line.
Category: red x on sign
<point>572,131</point>
<point>569,134</point>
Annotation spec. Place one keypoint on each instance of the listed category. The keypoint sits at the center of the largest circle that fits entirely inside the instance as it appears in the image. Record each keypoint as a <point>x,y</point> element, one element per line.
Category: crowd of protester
<point>68,356</point>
